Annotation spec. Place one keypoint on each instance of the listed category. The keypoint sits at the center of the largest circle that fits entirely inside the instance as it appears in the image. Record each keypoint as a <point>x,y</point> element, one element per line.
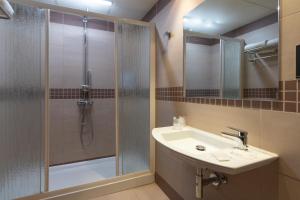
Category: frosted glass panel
<point>134,94</point>
<point>21,103</point>
<point>231,65</point>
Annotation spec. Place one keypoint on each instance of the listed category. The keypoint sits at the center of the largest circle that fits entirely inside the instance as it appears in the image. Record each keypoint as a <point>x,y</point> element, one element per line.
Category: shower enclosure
<point>82,98</point>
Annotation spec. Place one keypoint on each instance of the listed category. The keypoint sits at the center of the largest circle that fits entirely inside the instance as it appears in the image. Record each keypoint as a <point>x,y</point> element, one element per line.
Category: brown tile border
<point>277,105</point>
<point>202,93</point>
<point>290,107</point>
<point>166,188</point>
<point>268,20</point>
<point>202,40</point>
<point>270,93</point>
<point>288,101</point>
<point>160,4</point>
<point>76,93</point>
<point>291,85</point>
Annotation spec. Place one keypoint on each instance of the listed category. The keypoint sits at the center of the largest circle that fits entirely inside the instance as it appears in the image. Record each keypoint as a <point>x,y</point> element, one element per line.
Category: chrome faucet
<point>242,135</point>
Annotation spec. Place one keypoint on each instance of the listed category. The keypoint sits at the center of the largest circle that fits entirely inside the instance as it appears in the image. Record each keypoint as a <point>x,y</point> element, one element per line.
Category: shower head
<point>6,11</point>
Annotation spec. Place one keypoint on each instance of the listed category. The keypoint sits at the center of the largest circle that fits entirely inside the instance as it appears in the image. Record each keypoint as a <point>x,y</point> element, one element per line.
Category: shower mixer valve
<point>86,89</point>
<point>83,102</point>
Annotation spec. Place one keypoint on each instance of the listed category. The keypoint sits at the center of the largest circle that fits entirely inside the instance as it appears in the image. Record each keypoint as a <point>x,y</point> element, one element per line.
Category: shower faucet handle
<point>85,86</point>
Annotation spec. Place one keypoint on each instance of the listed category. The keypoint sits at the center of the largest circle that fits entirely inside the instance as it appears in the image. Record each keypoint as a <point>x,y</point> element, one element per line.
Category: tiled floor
<point>69,175</point>
<point>148,192</point>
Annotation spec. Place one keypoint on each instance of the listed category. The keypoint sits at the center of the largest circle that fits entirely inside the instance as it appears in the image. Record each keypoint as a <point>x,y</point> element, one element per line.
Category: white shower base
<point>74,174</point>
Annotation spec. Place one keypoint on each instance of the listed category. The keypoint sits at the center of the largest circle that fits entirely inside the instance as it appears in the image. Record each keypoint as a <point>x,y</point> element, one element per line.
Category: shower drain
<point>200,148</point>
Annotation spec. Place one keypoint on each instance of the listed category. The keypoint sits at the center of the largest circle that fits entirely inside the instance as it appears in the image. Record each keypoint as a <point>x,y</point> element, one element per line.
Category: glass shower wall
<point>231,51</point>
<point>22,103</point>
<point>134,97</point>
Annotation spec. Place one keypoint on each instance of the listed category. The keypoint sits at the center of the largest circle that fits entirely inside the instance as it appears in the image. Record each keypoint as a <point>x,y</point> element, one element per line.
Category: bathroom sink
<point>212,151</point>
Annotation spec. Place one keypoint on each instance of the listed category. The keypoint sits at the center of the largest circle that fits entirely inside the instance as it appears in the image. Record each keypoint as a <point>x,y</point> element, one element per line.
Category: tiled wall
<point>272,125</point>
<point>288,100</point>
<point>72,93</point>
<point>264,93</point>
<point>66,74</point>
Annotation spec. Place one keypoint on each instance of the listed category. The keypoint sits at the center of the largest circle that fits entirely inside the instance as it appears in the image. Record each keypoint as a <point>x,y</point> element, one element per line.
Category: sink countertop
<point>220,153</point>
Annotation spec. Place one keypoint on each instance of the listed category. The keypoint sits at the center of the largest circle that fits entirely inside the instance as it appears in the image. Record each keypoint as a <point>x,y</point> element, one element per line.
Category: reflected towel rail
<point>264,57</point>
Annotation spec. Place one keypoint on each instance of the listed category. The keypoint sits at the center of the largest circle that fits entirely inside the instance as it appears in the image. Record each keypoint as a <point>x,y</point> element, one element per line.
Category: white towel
<point>273,42</point>
<point>257,45</point>
<point>220,156</point>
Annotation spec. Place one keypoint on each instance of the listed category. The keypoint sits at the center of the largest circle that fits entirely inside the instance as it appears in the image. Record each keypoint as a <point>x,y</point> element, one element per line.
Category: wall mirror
<point>231,49</point>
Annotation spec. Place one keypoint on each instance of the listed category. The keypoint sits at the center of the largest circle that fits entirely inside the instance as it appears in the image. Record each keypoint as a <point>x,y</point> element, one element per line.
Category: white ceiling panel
<point>135,9</point>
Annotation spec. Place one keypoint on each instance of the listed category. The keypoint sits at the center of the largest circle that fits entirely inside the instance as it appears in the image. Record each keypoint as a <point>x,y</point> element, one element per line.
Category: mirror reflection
<point>231,49</point>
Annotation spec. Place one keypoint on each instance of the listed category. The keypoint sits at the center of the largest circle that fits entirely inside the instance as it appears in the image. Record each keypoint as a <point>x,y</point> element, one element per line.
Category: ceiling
<point>134,9</point>
<point>215,17</point>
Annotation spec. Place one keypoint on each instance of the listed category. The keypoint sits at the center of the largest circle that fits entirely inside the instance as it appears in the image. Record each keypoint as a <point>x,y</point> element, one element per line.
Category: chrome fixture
<point>85,103</point>
<point>242,135</point>
<point>214,178</point>
<point>6,11</point>
<point>200,147</point>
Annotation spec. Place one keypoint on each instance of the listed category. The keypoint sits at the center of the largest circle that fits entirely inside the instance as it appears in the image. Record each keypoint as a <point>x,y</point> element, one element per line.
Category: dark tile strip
<point>203,93</point>
<point>166,188</point>
<point>268,93</point>
<point>155,10</point>
<point>288,101</point>
<point>202,41</point>
<point>76,93</point>
<point>268,20</point>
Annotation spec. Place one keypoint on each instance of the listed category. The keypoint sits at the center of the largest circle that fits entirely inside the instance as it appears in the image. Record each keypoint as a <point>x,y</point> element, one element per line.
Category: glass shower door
<point>22,103</point>
<point>82,101</point>
<point>133,59</point>
<point>232,63</point>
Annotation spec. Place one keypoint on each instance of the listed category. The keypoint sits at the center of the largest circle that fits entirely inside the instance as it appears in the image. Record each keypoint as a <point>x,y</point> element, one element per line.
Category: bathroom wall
<point>66,77</point>
<point>271,125</point>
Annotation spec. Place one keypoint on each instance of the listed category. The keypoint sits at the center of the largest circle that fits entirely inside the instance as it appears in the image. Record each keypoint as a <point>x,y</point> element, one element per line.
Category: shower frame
<point>117,183</point>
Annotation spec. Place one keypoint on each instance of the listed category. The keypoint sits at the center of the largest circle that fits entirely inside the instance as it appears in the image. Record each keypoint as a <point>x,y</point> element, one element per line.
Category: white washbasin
<point>220,153</point>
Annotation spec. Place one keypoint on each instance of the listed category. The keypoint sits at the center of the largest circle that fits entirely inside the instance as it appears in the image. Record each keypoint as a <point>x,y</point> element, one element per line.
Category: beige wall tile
<point>289,189</point>
<point>280,134</point>
<point>290,38</point>
<point>289,7</point>
<point>217,118</point>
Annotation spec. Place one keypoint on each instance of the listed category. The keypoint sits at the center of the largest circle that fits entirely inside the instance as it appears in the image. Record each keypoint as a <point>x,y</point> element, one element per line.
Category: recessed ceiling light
<point>218,22</point>
<point>197,21</point>
<point>208,23</point>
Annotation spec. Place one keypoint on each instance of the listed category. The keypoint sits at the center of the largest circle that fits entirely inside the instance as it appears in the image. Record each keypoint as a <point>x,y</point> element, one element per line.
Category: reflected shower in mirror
<point>231,49</point>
